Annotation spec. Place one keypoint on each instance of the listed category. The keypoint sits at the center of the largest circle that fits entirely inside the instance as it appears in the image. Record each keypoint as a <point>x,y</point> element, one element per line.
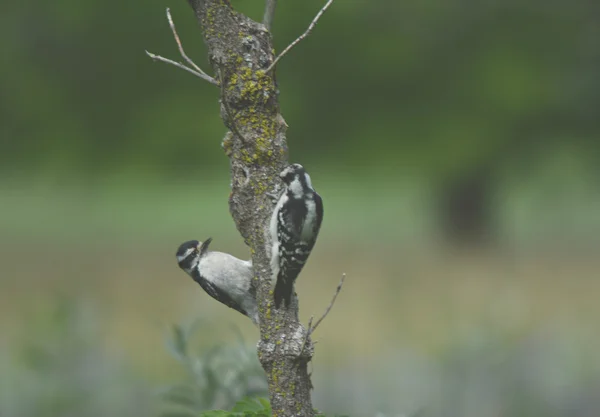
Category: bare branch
<point>310,327</point>
<point>183,67</point>
<point>181,51</point>
<point>269,13</point>
<point>196,69</point>
<point>304,35</point>
<point>337,292</point>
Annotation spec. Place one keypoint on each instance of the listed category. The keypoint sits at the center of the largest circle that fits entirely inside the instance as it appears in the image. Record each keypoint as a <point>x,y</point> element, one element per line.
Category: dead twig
<point>179,65</point>
<point>312,328</point>
<point>304,35</point>
<point>337,292</point>
<point>195,68</point>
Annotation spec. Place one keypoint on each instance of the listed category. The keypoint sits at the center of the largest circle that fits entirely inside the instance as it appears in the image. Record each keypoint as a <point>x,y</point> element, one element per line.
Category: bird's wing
<point>293,215</point>
<point>290,246</point>
<point>319,207</point>
<point>220,295</point>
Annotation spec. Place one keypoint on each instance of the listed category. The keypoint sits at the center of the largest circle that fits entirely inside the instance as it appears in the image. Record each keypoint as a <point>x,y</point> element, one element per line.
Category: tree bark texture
<point>240,50</point>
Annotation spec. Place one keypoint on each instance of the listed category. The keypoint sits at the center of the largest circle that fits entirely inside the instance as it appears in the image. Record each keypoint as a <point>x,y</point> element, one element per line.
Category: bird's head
<point>292,172</point>
<point>190,252</point>
<point>297,180</point>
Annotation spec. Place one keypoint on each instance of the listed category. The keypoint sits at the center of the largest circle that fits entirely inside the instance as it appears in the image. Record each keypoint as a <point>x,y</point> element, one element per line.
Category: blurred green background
<point>456,146</point>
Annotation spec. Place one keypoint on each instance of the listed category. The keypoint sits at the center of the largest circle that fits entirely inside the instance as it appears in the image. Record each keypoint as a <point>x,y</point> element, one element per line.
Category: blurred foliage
<point>224,376</point>
<point>486,362</point>
<point>62,368</point>
<point>473,103</point>
<point>216,378</point>
<point>434,87</point>
<point>485,372</point>
<point>248,407</point>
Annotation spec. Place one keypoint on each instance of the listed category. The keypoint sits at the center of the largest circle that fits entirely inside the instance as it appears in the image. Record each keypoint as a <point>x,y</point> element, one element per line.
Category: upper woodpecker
<point>294,228</point>
<point>224,277</point>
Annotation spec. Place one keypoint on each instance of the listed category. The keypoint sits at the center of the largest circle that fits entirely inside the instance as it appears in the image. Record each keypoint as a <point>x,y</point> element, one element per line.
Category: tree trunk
<point>240,50</point>
<point>465,207</point>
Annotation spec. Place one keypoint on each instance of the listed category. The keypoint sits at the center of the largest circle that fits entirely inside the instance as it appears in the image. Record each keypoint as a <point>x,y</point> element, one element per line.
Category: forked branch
<point>337,292</point>
<point>195,68</point>
<point>310,327</point>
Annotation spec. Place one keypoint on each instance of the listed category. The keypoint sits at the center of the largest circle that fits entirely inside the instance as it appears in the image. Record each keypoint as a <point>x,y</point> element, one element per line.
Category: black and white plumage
<point>224,277</point>
<point>294,228</point>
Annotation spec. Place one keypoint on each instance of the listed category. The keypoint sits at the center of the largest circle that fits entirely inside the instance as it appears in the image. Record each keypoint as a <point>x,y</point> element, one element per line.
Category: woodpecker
<point>224,277</point>
<point>294,228</point>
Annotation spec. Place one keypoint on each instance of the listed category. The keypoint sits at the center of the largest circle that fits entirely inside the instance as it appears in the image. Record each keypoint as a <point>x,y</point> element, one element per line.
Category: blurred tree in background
<point>435,86</point>
<point>451,92</point>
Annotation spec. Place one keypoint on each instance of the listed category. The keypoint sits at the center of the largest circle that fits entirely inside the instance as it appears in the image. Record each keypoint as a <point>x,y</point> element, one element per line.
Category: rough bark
<point>240,50</point>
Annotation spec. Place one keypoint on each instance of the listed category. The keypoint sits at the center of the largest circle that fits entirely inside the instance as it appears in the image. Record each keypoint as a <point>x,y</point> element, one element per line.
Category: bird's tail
<point>283,292</point>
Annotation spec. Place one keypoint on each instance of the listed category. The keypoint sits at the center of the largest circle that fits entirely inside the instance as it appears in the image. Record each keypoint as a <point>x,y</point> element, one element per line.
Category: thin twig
<point>304,35</point>
<point>196,69</point>
<point>337,292</point>
<point>269,13</point>
<point>179,65</point>
<point>312,328</point>
<point>181,51</point>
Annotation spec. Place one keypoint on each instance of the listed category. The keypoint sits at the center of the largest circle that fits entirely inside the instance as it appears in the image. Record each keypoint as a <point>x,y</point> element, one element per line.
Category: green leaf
<point>178,343</point>
<point>248,404</point>
<point>265,403</point>
<point>253,407</point>
<point>213,385</point>
<point>217,413</point>
<point>179,413</point>
<point>180,395</point>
